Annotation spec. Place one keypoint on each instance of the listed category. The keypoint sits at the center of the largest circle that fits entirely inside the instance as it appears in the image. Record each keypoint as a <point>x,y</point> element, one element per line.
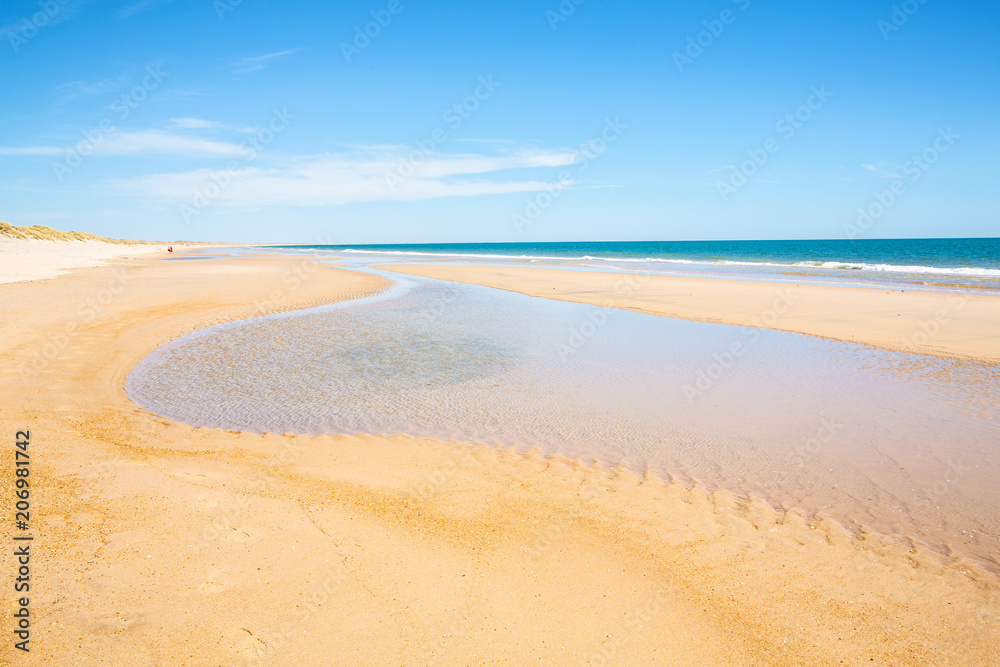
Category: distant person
<point>170,248</point>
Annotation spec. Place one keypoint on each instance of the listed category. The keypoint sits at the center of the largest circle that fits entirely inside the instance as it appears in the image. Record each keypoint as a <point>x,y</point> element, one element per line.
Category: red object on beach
<point>170,248</point>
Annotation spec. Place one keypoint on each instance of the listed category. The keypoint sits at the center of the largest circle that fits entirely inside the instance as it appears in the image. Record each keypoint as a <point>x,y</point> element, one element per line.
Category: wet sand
<point>949,325</point>
<point>159,544</point>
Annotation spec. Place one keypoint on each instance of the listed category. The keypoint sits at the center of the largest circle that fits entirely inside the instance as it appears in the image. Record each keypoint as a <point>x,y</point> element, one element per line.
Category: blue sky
<point>500,121</point>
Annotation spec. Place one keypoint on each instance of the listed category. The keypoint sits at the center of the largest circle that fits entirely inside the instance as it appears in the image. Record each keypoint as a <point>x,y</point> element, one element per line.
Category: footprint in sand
<point>237,535</point>
<point>244,643</point>
<point>216,582</point>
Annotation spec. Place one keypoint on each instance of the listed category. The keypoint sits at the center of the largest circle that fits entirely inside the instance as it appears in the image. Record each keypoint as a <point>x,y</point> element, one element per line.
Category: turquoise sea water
<point>942,253</point>
<point>960,263</point>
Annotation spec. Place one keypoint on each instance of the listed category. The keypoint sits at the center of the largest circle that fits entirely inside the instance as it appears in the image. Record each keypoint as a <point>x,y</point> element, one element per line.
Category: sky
<point>409,121</point>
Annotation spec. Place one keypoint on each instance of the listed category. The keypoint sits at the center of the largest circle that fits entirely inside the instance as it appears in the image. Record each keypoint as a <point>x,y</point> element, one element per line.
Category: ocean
<point>932,263</point>
<point>943,254</point>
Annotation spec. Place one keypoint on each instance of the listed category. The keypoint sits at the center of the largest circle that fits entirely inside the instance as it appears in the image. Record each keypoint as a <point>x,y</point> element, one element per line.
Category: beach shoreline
<point>960,326</point>
<point>164,544</point>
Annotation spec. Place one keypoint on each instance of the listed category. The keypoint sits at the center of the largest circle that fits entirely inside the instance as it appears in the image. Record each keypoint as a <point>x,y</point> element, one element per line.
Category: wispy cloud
<point>194,123</point>
<point>31,150</point>
<point>879,169</point>
<point>82,88</point>
<point>254,63</point>
<point>159,142</point>
<point>64,12</point>
<point>359,176</point>
<point>142,6</point>
<point>146,142</point>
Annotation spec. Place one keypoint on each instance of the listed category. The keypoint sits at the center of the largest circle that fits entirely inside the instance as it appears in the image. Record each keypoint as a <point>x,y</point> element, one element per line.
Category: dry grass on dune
<point>43,233</point>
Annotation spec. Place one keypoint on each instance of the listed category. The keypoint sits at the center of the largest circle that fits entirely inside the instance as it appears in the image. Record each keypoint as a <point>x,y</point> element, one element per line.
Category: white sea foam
<point>852,266</point>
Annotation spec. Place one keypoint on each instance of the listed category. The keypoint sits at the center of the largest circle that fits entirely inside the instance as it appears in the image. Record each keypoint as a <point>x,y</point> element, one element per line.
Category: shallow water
<point>902,443</point>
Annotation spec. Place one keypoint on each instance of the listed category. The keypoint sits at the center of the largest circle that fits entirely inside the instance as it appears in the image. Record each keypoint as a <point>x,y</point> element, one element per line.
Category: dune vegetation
<point>44,233</point>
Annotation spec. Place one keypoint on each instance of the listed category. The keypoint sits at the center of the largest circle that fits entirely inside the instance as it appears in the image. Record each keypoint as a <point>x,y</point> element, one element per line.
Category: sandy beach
<point>36,259</point>
<point>157,543</point>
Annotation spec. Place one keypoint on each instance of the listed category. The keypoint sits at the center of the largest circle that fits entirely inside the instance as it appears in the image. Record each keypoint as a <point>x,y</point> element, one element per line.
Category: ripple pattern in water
<point>458,361</point>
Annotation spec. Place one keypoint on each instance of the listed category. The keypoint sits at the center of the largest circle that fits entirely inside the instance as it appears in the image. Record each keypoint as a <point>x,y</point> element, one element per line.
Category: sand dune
<point>38,252</point>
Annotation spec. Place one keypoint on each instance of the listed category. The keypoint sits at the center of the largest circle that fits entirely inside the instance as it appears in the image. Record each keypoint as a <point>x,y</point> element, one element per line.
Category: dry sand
<point>948,325</point>
<point>159,544</point>
<point>36,259</point>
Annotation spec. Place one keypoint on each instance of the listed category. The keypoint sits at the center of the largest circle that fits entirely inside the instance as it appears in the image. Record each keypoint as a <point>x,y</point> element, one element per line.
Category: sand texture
<point>38,259</point>
<point>159,544</point>
<point>948,325</point>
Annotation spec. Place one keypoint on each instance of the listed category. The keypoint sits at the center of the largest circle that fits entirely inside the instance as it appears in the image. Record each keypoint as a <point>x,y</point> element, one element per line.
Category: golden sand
<point>159,544</point>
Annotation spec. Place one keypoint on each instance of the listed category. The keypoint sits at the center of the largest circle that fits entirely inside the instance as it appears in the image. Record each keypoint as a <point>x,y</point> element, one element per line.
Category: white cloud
<point>879,170</point>
<point>158,142</point>
<point>64,12</point>
<point>81,87</point>
<point>343,178</point>
<point>147,142</point>
<point>142,6</point>
<point>451,165</point>
<point>254,63</point>
<point>193,123</point>
<point>31,150</point>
